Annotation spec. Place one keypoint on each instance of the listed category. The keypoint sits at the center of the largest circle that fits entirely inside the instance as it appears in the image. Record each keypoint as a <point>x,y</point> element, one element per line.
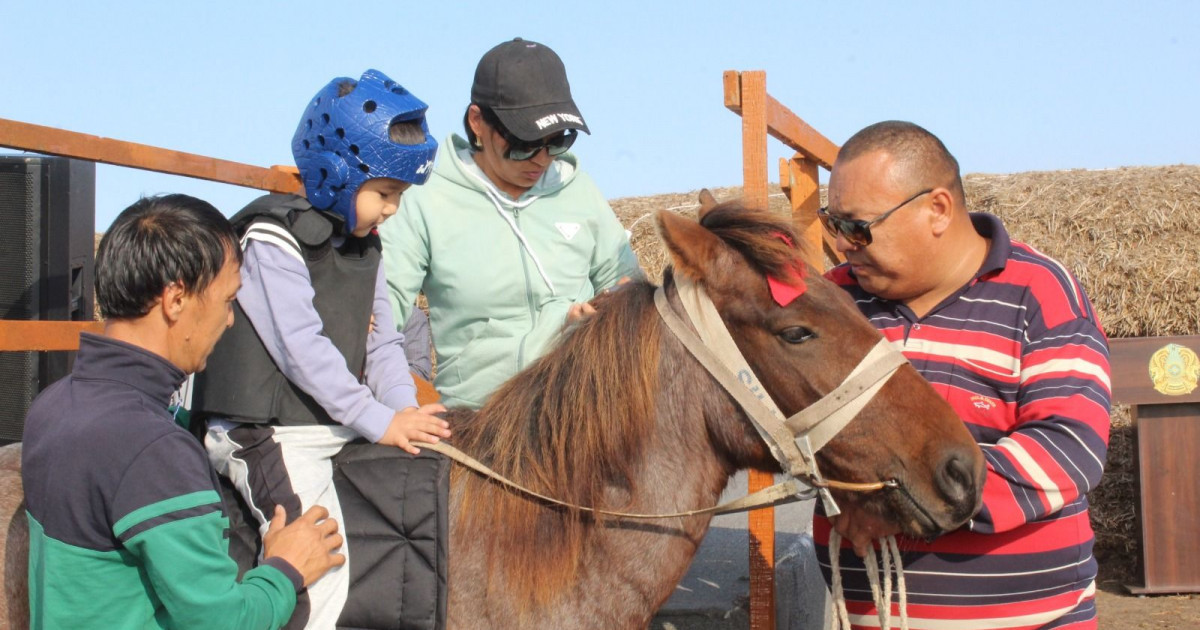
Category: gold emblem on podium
<point>1174,370</point>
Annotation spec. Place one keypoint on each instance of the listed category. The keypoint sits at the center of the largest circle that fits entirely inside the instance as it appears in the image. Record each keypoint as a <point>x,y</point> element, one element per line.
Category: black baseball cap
<point>525,83</point>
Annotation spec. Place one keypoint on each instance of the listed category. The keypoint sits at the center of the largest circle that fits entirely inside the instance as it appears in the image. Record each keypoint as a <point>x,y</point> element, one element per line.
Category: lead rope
<point>882,597</point>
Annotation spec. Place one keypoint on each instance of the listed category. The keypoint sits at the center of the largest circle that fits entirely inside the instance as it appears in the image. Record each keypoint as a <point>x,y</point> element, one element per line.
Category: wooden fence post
<point>762,116</point>
<point>746,93</point>
<point>754,138</point>
<point>799,181</point>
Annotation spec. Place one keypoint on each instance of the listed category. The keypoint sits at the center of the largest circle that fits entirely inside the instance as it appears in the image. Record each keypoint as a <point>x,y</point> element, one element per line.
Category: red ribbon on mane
<point>787,289</point>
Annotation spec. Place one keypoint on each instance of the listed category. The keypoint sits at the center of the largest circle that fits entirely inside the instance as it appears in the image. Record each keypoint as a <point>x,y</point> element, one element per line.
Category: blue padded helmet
<point>343,141</point>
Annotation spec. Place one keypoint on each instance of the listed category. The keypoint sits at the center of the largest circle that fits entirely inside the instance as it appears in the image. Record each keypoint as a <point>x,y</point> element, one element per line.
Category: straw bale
<point>1131,236</point>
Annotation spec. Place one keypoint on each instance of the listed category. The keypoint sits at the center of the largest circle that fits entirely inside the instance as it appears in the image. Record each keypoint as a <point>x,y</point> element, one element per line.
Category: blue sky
<point>1009,87</point>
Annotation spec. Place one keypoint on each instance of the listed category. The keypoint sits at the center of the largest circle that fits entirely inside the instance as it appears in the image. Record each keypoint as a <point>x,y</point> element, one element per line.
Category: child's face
<point>375,201</point>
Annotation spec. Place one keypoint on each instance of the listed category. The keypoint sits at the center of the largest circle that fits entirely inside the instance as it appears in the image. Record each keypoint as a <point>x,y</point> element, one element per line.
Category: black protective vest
<point>241,381</point>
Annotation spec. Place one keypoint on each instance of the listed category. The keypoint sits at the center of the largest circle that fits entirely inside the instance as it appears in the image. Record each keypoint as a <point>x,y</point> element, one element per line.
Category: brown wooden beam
<point>732,81</point>
<point>781,122</point>
<point>790,129</point>
<point>51,141</point>
<point>750,94</point>
<point>23,336</point>
<point>798,179</point>
<point>48,336</point>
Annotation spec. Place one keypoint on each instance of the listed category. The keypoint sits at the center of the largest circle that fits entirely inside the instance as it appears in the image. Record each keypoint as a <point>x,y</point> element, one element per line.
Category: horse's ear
<point>707,201</point>
<point>693,248</point>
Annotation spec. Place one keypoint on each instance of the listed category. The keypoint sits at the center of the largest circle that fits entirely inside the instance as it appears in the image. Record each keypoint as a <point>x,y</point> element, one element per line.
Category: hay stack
<point>1131,236</point>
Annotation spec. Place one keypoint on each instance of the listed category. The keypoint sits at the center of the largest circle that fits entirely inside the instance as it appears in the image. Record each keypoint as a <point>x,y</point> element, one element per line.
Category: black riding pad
<point>397,529</point>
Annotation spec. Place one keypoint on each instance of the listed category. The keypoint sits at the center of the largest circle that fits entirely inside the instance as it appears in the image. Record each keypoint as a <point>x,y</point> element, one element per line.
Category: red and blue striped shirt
<point>1020,356</point>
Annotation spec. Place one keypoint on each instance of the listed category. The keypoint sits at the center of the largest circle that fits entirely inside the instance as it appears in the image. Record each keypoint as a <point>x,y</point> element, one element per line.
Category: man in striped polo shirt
<point>1007,336</point>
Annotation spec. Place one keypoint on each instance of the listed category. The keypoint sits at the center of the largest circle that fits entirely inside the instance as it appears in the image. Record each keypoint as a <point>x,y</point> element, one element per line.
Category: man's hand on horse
<point>580,310</point>
<point>416,424</point>
<point>309,543</point>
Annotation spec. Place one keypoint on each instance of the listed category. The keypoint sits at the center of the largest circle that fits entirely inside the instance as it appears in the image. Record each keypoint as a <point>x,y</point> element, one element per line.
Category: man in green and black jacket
<point>127,529</point>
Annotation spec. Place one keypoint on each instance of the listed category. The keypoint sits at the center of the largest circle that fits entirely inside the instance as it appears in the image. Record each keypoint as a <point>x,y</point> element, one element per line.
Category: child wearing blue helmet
<point>313,359</point>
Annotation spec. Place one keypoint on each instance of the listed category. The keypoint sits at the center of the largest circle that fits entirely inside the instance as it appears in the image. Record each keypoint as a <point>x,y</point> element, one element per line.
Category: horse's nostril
<point>955,479</point>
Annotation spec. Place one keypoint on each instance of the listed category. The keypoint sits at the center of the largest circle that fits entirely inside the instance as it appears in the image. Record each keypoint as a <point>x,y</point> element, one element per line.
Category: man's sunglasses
<point>520,150</point>
<point>856,231</point>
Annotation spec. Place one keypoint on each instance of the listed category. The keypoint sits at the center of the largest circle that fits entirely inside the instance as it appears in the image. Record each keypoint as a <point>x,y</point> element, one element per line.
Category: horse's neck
<point>642,560</point>
<point>628,567</point>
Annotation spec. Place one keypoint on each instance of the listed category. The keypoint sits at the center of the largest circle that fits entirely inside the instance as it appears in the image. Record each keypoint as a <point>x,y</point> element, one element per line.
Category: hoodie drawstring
<point>499,201</point>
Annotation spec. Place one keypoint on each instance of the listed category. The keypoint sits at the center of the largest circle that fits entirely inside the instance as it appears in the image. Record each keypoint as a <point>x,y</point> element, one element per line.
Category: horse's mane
<point>572,424</point>
<point>569,426</point>
<point>765,239</point>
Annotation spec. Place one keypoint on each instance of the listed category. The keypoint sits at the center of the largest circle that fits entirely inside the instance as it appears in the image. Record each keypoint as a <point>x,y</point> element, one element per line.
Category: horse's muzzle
<point>959,478</point>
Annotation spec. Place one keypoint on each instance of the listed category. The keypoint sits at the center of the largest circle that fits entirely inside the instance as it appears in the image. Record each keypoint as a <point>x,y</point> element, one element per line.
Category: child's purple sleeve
<point>277,297</point>
<point>387,372</point>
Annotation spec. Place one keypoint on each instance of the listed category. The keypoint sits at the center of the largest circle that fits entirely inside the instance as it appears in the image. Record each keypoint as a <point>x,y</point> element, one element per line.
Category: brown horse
<point>619,416</point>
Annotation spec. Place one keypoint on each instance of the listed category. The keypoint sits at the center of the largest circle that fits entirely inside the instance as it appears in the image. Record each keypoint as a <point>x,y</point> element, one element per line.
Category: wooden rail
<point>26,336</point>
<point>71,144</point>
<point>64,335</point>
<point>48,336</point>
<point>44,336</point>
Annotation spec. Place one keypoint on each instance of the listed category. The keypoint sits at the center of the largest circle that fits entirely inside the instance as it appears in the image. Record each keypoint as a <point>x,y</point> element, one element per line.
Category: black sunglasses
<point>856,231</point>
<point>520,150</point>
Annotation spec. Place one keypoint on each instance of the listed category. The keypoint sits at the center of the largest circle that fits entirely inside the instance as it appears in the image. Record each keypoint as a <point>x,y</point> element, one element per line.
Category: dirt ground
<point>1121,611</point>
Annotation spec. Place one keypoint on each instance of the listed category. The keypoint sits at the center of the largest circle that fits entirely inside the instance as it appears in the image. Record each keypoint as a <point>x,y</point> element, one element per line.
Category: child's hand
<point>416,425</point>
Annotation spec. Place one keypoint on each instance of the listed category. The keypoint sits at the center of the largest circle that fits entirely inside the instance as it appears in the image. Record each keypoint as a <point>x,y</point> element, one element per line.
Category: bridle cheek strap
<point>794,441</point>
<point>823,419</point>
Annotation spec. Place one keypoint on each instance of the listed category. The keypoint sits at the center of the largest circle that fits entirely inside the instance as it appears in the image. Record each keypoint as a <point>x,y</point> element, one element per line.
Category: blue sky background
<point>1009,87</point>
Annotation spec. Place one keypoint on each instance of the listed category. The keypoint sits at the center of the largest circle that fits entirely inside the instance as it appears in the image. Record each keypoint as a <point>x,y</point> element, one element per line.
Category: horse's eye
<point>796,334</point>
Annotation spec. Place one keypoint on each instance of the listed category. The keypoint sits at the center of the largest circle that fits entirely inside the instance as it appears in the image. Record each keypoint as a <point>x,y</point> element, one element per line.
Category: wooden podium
<point>1157,377</point>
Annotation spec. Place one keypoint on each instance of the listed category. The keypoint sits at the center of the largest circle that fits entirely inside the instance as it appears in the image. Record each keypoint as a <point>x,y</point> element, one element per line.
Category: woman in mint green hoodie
<point>508,239</point>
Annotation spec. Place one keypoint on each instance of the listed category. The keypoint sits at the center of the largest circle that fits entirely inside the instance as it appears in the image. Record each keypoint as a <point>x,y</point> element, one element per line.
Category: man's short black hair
<point>920,156</point>
<point>157,241</point>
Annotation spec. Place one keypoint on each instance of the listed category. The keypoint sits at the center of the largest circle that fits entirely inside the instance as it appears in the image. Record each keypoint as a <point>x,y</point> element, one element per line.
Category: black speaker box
<point>47,249</point>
